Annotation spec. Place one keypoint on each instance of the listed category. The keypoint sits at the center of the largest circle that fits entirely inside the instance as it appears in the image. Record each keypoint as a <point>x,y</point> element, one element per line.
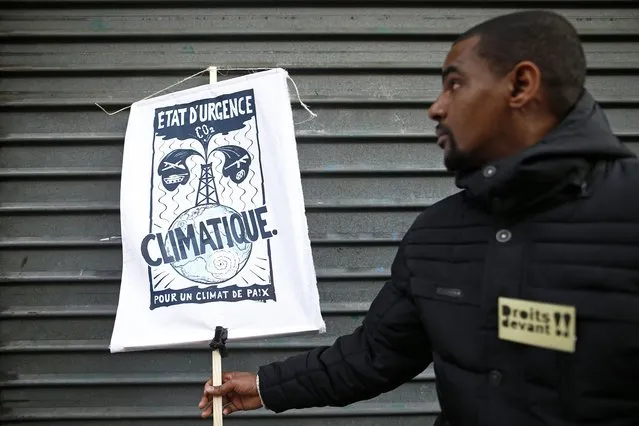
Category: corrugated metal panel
<point>208,22</point>
<point>369,72</point>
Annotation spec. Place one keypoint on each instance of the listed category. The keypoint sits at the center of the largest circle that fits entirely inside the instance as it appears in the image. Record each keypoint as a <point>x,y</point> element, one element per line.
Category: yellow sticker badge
<point>539,324</point>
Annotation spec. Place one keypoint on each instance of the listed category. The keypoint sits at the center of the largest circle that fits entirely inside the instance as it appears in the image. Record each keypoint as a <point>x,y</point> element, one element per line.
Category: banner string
<point>299,98</point>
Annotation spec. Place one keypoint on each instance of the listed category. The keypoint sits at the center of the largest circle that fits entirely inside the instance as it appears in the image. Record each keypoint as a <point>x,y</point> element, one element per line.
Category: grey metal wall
<point>369,166</point>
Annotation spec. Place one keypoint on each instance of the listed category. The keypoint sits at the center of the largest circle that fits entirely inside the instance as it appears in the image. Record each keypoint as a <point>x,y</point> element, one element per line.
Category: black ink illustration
<point>209,235</point>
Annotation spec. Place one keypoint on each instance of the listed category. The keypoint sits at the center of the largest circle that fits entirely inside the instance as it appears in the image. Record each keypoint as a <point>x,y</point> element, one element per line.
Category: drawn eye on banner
<point>208,238</point>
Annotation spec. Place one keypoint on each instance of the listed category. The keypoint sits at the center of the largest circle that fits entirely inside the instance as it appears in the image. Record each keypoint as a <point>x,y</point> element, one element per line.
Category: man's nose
<point>436,111</point>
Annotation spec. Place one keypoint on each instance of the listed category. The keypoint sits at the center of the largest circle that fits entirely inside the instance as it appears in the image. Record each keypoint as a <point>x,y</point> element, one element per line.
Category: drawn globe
<point>212,266</point>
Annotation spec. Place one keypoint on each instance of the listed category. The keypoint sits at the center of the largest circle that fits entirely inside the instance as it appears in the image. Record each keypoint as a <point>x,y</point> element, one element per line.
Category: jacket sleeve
<point>389,348</point>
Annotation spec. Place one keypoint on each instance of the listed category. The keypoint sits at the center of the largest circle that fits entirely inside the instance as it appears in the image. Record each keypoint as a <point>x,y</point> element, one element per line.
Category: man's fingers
<point>206,413</point>
<point>225,391</point>
<point>225,378</point>
<point>229,408</point>
<point>209,402</point>
<point>203,402</point>
<point>220,390</point>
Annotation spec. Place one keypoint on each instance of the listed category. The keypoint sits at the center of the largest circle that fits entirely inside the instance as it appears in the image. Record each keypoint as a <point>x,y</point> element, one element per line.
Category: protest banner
<point>214,232</point>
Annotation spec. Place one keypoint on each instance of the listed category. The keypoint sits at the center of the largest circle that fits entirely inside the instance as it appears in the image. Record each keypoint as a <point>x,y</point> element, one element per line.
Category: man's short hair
<point>544,38</point>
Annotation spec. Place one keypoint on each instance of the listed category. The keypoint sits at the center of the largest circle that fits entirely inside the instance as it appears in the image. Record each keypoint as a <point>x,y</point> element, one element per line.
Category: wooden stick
<point>212,75</point>
<point>218,351</point>
<point>216,369</point>
<point>217,344</point>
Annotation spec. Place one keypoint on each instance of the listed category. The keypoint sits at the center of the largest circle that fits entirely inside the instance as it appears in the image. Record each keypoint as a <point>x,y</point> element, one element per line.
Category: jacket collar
<point>559,161</point>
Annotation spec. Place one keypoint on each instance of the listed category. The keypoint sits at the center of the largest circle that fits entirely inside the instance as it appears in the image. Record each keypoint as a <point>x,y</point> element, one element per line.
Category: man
<point>548,214</point>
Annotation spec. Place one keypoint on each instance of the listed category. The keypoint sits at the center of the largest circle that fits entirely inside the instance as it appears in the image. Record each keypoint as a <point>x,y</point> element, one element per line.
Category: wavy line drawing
<point>162,150</point>
<point>248,129</point>
<point>243,193</point>
<point>191,185</point>
<point>254,176</point>
<point>255,182</point>
<point>207,144</point>
<point>253,186</point>
<point>222,198</point>
<point>165,207</point>
<point>216,162</point>
<point>216,141</point>
<point>175,203</point>
<point>189,197</point>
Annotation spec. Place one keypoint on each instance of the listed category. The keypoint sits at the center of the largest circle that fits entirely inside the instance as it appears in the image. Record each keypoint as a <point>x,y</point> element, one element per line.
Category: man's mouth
<point>443,140</point>
<point>443,136</point>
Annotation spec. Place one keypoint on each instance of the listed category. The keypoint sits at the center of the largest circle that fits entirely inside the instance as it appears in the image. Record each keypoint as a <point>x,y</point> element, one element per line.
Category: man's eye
<point>452,84</point>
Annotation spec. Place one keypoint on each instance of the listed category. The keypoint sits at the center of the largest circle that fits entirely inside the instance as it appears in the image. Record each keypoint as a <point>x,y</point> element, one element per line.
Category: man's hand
<point>239,392</point>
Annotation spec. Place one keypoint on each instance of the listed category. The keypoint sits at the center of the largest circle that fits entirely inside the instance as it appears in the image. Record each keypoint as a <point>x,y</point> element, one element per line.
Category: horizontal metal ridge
<point>190,68</point>
<point>96,172</point>
<point>182,70</point>
<point>57,311</point>
<point>206,21</point>
<point>31,92</point>
<point>115,241</point>
<point>295,103</point>
<point>260,36</point>
<point>366,409</point>
<point>225,34</point>
<point>248,36</point>
<point>67,207</point>
<point>60,172</point>
<point>291,67</point>
<point>27,312</point>
<point>121,103</point>
<point>302,136</point>
<point>105,207</point>
<point>96,379</point>
<point>115,275</point>
<point>287,3</point>
<point>324,102</point>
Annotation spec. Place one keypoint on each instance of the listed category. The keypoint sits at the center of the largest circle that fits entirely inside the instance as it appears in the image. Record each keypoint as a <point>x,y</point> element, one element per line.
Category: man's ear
<point>525,84</point>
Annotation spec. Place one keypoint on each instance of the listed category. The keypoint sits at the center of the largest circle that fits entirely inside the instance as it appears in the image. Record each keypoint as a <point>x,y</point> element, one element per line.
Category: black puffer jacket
<point>558,223</point>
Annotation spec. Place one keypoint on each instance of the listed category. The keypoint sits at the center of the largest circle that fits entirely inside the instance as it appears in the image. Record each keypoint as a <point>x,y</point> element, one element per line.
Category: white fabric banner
<point>214,231</point>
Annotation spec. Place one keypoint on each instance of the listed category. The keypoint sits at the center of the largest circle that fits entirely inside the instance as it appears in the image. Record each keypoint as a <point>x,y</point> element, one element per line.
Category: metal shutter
<point>369,167</point>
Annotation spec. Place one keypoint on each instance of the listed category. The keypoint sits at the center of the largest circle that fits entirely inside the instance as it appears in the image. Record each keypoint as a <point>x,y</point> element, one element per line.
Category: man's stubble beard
<point>456,161</point>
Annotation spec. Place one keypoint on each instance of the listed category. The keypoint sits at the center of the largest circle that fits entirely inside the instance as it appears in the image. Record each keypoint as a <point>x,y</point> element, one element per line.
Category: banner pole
<point>218,344</point>
<point>212,75</point>
<point>218,351</point>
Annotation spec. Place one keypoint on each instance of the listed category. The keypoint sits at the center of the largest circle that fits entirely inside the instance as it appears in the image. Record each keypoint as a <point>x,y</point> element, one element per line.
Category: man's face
<point>471,111</point>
